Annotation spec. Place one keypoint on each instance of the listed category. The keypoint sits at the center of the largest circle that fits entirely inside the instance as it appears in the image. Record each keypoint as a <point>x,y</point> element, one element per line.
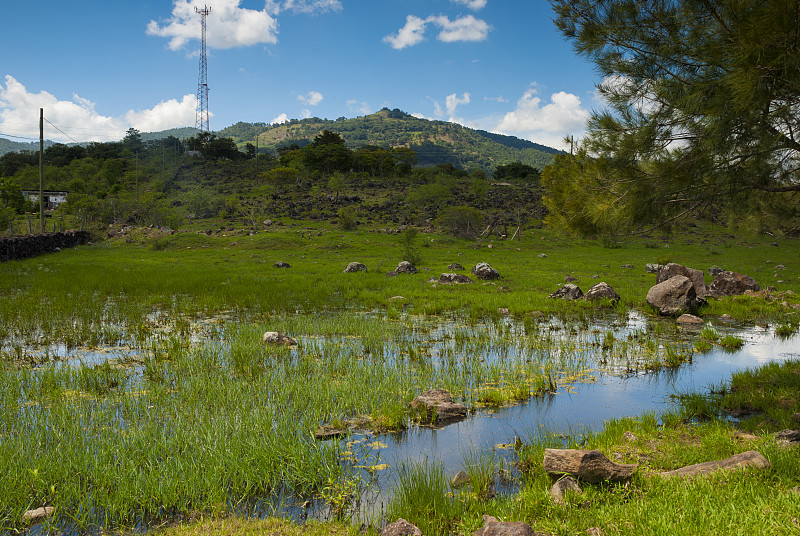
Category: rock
<point>743,436</point>
<point>391,274</point>
<point>455,266</point>
<point>690,320</point>
<point>446,279</point>
<point>629,437</point>
<point>652,268</point>
<point>279,339</point>
<point>673,296</point>
<point>629,266</point>
<point>38,514</point>
<point>401,527</point>
<point>780,267</point>
<point>460,480</point>
<point>600,291</point>
<point>568,292</point>
<point>355,267</point>
<point>668,271</point>
<point>493,527</point>
<point>594,531</point>
<point>406,267</point>
<point>483,271</point>
<point>792,436</point>
<point>437,405</point>
<point>542,255</point>
<point>751,458</point>
<point>732,284</point>
<point>587,465</point>
<point>570,279</point>
<point>325,433</point>
<point>395,298</point>
<point>715,271</point>
<point>281,264</point>
<point>563,485</point>
<point>503,311</point>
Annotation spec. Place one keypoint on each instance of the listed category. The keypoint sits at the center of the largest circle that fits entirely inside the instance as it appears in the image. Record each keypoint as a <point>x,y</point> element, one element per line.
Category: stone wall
<point>23,247</point>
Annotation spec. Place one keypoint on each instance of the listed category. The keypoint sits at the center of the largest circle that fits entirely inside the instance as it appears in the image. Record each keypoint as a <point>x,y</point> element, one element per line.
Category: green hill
<point>435,142</point>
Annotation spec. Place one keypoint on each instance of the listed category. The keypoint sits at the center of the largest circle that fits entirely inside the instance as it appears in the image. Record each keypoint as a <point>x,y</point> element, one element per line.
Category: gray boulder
<point>401,527</point>
<point>672,269</point>
<point>406,267</point>
<point>281,264</point>
<point>600,291</point>
<point>732,284</point>
<point>447,279</point>
<point>355,267</point>
<point>673,296</point>
<point>455,266</point>
<point>484,271</point>
<point>568,292</point>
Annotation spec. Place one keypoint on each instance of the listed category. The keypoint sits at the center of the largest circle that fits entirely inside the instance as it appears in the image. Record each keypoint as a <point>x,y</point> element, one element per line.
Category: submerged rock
<point>436,405</point>
<point>279,339</point>
<point>690,320</point>
<point>38,514</point>
<point>460,480</point>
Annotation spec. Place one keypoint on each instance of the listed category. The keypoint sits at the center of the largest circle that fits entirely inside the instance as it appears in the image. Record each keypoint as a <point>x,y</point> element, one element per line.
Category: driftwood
<point>751,458</point>
<point>587,465</point>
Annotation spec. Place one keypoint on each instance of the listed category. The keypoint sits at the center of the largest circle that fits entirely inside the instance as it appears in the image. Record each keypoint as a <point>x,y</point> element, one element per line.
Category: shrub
<point>462,222</point>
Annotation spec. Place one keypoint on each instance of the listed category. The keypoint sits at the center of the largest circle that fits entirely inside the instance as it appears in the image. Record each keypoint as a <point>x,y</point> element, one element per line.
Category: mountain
<point>8,146</point>
<point>435,142</point>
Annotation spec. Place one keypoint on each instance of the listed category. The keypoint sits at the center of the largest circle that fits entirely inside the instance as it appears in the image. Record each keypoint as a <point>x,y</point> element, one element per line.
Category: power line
<point>61,131</point>
<point>18,137</point>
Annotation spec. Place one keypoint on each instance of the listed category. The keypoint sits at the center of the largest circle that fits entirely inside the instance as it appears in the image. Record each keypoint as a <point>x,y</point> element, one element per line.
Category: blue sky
<point>99,67</point>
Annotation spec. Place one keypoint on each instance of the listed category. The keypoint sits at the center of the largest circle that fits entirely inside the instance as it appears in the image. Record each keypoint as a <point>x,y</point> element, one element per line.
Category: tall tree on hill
<point>704,101</point>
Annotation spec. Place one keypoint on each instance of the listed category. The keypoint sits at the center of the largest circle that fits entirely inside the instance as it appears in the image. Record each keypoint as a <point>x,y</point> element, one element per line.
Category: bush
<point>347,219</point>
<point>410,250</point>
<point>462,222</point>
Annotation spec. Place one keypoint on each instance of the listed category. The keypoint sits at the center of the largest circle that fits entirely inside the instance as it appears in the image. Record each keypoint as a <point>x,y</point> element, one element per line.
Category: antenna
<point>201,121</point>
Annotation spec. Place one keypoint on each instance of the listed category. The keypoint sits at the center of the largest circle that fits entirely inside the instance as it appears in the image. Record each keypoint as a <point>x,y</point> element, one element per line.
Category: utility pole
<point>41,169</point>
<point>201,121</point>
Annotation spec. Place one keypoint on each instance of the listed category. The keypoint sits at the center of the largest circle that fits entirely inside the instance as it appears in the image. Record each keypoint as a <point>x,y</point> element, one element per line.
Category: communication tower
<point>201,121</point>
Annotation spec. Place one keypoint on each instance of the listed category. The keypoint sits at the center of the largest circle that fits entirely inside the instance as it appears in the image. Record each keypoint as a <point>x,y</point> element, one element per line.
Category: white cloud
<point>312,98</point>
<point>474,5</point>
<point>452,101</point>
<point>546,123</point>
<point>305,113</point>
<point>357,107</point>
<point>409,35</point>
<point>312,6</point>
<point>78,118</point>
<point>228,25</point>
<point>282,118</point>
<point>462,29</point>
<point>165,115</point>
<point>498,100</point>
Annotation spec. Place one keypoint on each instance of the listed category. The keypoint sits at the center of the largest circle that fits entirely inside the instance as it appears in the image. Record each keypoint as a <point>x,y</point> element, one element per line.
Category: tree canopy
<point>704,106</point>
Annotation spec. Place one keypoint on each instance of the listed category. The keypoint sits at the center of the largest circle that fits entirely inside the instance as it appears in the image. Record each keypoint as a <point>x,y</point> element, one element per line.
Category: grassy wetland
<point>136,390</point>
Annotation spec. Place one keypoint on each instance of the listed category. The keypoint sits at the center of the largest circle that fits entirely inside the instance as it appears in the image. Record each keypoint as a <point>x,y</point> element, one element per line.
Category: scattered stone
<point>627,266</point>
<point>281,264</point>
<point>690,320</point>
<point>673,296</point>
<point>503,311</point>
<point>437,406</point>
<point>652,268</point>
<point>542,255</point>
<point>751,458</point>
<point>587,465</point>
<point>594,531</point>
<point>600,291</point>
<point>38,514</point>
<point>570,279</point>
<point>715,271</point>
<point>455,266</point>
<point>743,436</point>
<point>279,339</point>
<point>564,485</point>
<point>732,284</point>
<point>493,527</point>
<point>672,269</point>
<point>355,267</point>
<point>460,480</point>
<point>629,437</point>
<point>780,267</point>
<point>325,433</point>
<point>391,274</point>
<point>406,267</point>
<point>568,292</point>
<point>401,527</point>
<point>395,298</point>
<point>446,279</point>
<point>484,271</point>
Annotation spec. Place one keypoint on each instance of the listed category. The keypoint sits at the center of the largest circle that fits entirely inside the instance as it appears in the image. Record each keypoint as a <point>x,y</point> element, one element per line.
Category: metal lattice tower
<point>201,121</point>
